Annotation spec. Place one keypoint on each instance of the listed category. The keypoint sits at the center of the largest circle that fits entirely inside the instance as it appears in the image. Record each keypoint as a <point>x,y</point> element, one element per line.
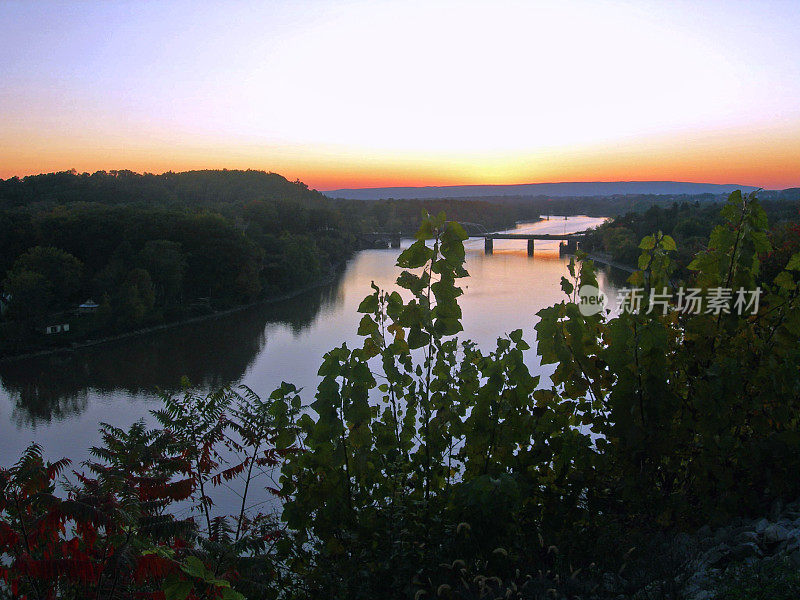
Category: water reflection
<point>210,353</point>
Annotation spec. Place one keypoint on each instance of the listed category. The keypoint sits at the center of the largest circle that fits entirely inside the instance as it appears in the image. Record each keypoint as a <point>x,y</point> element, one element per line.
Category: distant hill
<point>576,188</point>
<point>198,189</point>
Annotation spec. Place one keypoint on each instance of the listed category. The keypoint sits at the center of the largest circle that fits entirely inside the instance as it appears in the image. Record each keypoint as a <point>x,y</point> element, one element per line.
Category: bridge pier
<point>530,247</point>
<point>569,246</point>
<point>488,245</point>
<point>395,241</point>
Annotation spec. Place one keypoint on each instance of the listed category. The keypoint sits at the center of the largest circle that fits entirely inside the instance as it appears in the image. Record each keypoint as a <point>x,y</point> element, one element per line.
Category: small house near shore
<point>56,328</point>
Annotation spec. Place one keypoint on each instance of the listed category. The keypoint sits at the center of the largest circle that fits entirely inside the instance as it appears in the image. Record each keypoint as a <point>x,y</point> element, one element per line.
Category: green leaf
<point>367,326</point>
<point>411,282</point>
<point>415,256</point>
<point>785,280</point>
<point>177,590</point>
<point>417,338</point>
<point>457,230</point>
<point>369,304</point>
<point>425,231</point>
<point>794,262</point>
<point>194,566</point>
<point>231,594</point>
<point>566,286</point>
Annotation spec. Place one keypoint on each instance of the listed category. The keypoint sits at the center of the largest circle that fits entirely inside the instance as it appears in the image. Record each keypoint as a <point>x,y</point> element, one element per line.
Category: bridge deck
<point>527,236</point>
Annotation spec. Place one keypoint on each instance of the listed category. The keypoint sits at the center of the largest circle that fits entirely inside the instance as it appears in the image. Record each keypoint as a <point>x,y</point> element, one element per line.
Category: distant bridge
<point>380,239</point>
<point>569,241</point>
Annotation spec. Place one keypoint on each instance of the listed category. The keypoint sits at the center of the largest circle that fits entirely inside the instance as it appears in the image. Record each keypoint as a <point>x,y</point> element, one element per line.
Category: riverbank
<point>326,280</point>
<point>607,260</point>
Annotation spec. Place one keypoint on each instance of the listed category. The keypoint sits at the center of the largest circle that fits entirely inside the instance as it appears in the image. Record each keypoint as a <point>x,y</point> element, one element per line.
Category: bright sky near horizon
<point>342,93</point>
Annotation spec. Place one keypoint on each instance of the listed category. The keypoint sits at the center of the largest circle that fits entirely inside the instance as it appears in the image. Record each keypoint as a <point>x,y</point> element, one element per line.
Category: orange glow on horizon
<point>768,159</point>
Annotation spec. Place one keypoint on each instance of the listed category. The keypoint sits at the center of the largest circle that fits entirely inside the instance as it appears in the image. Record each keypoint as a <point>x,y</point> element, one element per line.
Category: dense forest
<point>690,224</point>
<point>142,250</point>
<point>149,248</point>
<point>426,467</point>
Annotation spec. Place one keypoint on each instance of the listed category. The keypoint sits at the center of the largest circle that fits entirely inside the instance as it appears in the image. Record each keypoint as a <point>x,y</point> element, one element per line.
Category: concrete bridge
<point>569,241</point>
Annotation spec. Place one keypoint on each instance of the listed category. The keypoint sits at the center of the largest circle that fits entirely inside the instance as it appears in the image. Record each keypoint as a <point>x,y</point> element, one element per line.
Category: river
<point>58,400</point>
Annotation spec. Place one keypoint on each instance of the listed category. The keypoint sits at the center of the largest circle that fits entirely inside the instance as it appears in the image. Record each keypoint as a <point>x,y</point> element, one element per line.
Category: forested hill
<point>208,188</point>
<point>573,188</point>
<point>143,250</point>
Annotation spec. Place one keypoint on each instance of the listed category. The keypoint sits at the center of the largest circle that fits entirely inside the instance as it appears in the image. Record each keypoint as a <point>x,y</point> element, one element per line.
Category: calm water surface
<point>58,400</point>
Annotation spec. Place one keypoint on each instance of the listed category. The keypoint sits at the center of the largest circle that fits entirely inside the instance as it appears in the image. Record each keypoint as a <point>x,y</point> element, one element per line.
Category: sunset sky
<point>358,94</point>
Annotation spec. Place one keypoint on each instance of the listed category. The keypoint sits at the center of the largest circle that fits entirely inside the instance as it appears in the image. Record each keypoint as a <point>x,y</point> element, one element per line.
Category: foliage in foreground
<point>430,468</point>
<point>674,418</point>
<point>118,533</point>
